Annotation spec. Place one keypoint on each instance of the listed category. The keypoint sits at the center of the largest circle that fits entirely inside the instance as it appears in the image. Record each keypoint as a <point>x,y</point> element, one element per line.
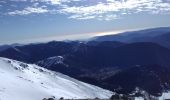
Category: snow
<point>57,59</point>
<point>139,98</point>
<point>51,61</point>
<point>20,81</point>
<point>165,95</point>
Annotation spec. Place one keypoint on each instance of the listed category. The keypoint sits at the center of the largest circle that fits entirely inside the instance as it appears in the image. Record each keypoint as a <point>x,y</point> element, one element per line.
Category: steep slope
<point>20,81</point>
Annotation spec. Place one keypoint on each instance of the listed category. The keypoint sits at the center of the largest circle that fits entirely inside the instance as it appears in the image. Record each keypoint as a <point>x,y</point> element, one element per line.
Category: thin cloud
<point>29,10</point>
<point>118,8</point>
<point>102,10</point>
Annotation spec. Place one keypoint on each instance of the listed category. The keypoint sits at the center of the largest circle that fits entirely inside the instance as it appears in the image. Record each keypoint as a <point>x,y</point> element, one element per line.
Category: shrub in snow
<point>62,98</point>
<point>48,99</point>
<point>115,97</point>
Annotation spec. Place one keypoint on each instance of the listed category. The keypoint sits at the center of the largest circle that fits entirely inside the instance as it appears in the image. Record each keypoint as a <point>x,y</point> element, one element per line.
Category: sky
<point>26,21</point>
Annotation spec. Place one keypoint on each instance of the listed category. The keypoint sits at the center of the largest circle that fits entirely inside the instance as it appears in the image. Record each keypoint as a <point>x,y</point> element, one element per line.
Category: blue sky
<point>25,21</point>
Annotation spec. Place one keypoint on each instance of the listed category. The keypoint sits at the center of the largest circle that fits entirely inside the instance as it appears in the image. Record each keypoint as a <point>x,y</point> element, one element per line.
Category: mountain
<point>21,81</point>
<point>156,35</point>
<point>101,66</point>
<point>154,79</point>
<point>5,47</point>
<point>91,60</point>
<point>113,44</point>
<point>123,56</point>
<point>35,52</point>
<point>162,39</point>
<point>95,62</point>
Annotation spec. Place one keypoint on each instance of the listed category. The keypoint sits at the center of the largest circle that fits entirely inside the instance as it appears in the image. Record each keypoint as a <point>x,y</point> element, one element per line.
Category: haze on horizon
<point>43,20</point>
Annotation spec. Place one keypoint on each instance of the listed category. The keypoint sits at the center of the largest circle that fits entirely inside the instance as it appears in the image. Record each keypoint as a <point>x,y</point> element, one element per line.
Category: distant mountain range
<point>156,35</point>
<point>4,47</point>
<point>120,63</point>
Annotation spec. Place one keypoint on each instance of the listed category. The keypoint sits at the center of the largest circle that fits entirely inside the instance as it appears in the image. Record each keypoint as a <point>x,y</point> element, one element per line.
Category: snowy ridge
<point>52,61</point>
<point>20,81</point>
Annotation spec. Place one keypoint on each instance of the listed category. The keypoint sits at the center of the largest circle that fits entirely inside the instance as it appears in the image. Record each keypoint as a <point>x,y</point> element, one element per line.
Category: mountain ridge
<point>156,35</point>
<point>23,81</point>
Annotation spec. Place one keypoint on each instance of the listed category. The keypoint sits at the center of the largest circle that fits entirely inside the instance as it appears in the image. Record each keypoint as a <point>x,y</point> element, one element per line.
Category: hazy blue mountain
<point>4,47</point>
<point>156,35</point>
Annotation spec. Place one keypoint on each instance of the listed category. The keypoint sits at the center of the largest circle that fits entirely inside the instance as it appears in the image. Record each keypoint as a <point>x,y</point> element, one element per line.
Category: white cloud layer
<point>28,10</point>
<point>102,10</point>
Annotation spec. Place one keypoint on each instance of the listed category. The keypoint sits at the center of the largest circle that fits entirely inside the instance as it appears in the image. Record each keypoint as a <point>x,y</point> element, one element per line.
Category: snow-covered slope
<point>52,61</point>
<point>20,81</point>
